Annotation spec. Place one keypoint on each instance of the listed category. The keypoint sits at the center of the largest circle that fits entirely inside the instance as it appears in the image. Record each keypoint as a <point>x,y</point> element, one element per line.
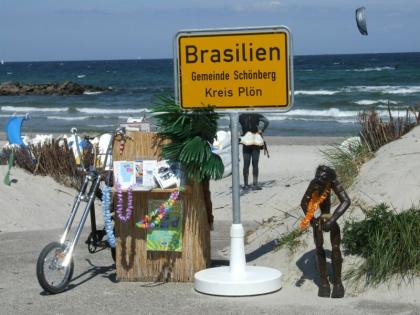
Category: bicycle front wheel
<point>52,275</point>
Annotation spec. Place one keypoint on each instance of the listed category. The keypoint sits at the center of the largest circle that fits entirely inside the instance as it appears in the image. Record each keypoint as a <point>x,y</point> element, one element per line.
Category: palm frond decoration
<point>190,134</point>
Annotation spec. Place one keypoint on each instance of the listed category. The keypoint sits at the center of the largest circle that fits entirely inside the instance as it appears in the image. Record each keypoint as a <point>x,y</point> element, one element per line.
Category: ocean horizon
<point>330,91</point>
<point>151,59</point>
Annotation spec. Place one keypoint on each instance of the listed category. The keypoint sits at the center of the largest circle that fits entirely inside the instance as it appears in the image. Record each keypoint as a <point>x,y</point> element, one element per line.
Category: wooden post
<point>133,261</point>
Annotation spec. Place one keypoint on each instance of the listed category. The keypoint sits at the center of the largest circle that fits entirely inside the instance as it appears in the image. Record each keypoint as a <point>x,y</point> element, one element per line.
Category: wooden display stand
<point>133,261</point>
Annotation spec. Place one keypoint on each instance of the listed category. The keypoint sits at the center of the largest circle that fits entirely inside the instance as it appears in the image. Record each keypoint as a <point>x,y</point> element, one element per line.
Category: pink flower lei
<point>124,217</point>
<point>154,218</point>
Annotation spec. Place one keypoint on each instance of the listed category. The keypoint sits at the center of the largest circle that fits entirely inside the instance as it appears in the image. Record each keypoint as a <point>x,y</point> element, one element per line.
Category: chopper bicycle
<point>55,263</point>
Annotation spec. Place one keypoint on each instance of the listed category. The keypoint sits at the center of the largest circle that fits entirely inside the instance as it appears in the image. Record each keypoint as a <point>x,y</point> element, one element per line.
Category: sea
<point>329,93</point>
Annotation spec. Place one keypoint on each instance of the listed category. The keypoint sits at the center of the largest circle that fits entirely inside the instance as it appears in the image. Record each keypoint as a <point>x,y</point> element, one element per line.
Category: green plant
<point>291,240</point>
<point>190,134</point>
<point>347,159</point>
<point>389,242</point>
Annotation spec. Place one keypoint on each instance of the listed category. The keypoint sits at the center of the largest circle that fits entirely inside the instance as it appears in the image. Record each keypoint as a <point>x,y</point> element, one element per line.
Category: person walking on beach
<point>253,125</point>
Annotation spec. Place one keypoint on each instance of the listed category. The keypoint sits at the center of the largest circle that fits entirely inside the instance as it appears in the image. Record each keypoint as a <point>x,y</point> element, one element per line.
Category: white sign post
<point>237,279</point>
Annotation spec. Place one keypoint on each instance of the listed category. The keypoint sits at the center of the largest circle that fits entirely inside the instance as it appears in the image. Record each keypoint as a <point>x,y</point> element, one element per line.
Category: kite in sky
<point>361,20</point>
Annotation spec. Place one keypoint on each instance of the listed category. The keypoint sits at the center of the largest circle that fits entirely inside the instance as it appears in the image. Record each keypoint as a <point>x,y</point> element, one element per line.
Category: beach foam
<point>316,92</point>
<point>332,112</point>
<point>91,110</point>
<point>25,109</point>
<point>374,102</point>
<point>383,89</point>
<point>92,92</point>
<point>372,69</point>
<point>99,126</point>
<point>67,118</point>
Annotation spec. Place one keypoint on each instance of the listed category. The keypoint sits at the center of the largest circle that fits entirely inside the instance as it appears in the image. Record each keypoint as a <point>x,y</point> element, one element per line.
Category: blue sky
<point>128,29</point>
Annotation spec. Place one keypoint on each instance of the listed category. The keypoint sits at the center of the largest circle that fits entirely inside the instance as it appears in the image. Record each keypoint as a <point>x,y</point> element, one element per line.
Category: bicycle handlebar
<point>119,130</point>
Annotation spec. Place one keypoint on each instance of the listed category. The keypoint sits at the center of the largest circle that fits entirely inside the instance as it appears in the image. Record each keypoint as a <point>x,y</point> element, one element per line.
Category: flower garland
<point>124,217</point>
<point>313,205</point>
<point>122,145</point>
<point>106,208</point>
<point>154,218</point>
<point>123,140</point>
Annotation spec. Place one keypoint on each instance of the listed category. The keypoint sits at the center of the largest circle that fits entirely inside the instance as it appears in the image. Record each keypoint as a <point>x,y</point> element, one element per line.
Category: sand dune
<point>34,202</point>
<point>393,176</point>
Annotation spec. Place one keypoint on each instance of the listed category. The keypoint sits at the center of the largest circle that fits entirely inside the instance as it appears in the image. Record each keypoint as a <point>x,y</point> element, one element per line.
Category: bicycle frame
<point>87,194</point>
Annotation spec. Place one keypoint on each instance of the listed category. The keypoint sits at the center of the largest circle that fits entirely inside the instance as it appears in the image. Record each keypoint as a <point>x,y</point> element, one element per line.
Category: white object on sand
<point>71,143</point>
<point>102,143</point>
<point>41,139</point>
<point>238,279</point>
<point>135,119</point>
<point>221,146</point>
<point>37,140</point>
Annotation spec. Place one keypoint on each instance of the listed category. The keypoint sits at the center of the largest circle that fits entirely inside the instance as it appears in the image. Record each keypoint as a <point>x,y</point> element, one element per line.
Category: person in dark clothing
<point>255,124</point>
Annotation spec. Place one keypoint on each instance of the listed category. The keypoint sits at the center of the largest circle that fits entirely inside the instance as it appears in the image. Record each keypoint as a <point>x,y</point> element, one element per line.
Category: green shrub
<point>389,242</point>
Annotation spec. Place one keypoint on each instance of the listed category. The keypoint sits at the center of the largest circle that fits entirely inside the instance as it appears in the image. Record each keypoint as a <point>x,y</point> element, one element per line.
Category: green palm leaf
<point>214,168</point>
<point>194,151</point>
<point>190,133</point>
<point>172,150</point>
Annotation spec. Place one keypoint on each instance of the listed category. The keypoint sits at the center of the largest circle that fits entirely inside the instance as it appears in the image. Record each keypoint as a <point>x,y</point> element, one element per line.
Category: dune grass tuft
<point>347,160</point>
<point>388,241</point>
<point>291,240</point>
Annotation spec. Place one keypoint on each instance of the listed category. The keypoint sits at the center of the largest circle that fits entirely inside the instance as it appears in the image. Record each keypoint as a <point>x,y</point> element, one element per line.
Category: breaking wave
<point>316,92</point>
<point>25,109</point>
<point>372,69</point>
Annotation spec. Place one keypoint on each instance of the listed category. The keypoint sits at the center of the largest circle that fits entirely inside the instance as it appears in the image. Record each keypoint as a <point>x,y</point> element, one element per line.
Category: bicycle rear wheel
<point>52,275</point>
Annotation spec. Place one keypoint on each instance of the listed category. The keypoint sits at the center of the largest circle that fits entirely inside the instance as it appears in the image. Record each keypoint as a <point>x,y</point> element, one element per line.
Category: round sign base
<point>221,281</point>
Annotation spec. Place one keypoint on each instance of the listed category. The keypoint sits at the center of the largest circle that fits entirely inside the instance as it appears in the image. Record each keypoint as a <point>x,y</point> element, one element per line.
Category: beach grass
<point>347,160</point>
<point>389,244</point>
<point>374,133</point>
<point>291,240</point>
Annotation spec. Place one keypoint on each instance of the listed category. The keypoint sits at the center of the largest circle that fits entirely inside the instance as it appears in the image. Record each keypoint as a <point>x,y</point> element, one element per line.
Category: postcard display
<point>181,246</point>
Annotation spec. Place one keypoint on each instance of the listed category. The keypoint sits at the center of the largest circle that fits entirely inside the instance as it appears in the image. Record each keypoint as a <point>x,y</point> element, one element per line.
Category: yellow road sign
<point>234,69</point>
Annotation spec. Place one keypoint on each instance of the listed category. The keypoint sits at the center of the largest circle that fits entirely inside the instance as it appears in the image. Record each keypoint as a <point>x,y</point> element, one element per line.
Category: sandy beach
<point>35,203</point>
<point>315,73</point>
<point>284,177</point>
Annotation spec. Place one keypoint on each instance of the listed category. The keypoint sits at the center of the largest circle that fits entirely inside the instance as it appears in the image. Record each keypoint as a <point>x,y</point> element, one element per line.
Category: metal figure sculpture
<point>318,195</point>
